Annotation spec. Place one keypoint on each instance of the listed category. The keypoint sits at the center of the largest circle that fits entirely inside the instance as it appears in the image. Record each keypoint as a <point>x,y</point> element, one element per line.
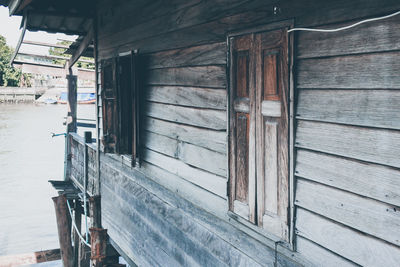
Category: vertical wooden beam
<point>84,255</point>
<point>98,241</point>
<point>72,101</point>
<point>95,211</point>
<point>64,230</point>
<point>78,223</point>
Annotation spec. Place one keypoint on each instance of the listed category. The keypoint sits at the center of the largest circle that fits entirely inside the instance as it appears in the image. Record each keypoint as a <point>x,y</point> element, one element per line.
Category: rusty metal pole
<point>98,241</point>
<point>64,230</point>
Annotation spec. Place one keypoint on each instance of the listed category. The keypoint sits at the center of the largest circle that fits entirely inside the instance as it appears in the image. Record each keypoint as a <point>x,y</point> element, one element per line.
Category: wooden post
<point>95,211</point>
<point>72,102</point>
<point>84,255</point>
<point>64,230</point>
<point>98,241</point>
<point>78,223</point>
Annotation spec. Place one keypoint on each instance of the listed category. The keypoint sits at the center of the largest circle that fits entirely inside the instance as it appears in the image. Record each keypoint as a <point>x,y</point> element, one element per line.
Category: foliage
<point>9,76</point>
<point>55,51</point>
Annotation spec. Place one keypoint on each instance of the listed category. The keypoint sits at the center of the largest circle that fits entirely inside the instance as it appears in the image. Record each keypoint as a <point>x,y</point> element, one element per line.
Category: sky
<point>9,28</point>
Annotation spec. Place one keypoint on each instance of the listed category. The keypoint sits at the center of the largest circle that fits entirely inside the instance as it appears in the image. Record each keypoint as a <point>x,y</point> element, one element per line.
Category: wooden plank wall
<point>348,145</point>
<point>183,47</point>
<point>77,164</point>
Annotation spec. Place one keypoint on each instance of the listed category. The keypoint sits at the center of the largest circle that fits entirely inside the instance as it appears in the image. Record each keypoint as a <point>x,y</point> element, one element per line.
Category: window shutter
<point>258,130</point>
<point>135,106</point>
<point>109,105</point>
<point>242,172</point>
<point>272,132</point>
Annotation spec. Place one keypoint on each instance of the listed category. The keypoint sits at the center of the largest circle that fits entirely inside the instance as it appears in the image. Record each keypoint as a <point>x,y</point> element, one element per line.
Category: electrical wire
<point>76,228</point>
<point>345,27</point>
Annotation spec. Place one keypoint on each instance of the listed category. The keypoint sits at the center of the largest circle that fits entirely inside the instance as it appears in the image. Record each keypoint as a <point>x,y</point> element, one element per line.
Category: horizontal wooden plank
<point>182,231</point>
<point>191,192</point>
<point>374,108</point>
<point>187,96</point>
<point>370,180</point>
<point>370,37</point>
<point>373,145</point>
<point>369,71</point>
<point>211,139</point>
<point>251,243</point>
<point>210,22</point>
<point>353,245</point>
<point>320,256</point>
<point>208,54</point>
<point>210,32</point>
<point>189,17</point>
<point>211,182</point>
<point>127,226</point>
<point>203,76</point>
<point>207,118</point>
<point>203,158</point>
<point>199,157</point>
<point>118,16</point>
<point>366,215</point>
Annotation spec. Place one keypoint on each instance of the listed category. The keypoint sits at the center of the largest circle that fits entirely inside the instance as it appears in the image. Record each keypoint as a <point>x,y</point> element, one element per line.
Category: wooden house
<point>228,138</point>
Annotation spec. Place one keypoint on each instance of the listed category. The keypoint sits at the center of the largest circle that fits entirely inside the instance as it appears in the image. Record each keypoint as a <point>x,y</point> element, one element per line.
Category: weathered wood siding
<point>77,152</point>
<point>348,145</point>
<point>346,137</point>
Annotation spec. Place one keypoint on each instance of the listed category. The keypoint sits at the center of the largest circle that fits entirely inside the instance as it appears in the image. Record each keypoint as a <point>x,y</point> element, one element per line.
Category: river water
<point>29,157</point>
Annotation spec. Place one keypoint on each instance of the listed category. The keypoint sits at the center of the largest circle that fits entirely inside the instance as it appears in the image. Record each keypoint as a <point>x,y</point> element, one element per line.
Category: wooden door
<point>259,171</point>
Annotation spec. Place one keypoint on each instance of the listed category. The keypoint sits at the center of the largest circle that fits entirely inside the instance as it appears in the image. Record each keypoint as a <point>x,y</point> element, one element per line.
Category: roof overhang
<point>74,17</point>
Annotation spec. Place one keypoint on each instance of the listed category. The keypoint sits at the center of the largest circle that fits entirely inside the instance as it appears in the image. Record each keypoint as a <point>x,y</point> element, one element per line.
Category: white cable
<point>345,27</point>
<point>76,228</point>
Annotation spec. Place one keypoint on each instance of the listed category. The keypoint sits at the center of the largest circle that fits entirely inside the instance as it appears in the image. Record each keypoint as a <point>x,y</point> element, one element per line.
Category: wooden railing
<point>82,164</point>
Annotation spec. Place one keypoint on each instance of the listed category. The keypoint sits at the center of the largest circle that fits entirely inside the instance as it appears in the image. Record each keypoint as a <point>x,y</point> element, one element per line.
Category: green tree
<point>55,51</point>
<point>9,76</point>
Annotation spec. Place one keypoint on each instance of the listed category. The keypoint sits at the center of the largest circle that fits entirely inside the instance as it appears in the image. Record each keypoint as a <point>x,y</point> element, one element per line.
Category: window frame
<point>235,218</point>
<point>133,157</point>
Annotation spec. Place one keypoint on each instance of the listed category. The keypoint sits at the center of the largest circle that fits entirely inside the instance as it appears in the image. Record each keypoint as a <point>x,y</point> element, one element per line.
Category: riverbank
<point>19,94</point>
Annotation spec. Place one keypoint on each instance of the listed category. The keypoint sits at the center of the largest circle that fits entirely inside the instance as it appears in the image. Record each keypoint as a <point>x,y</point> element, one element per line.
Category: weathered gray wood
<point>378,36</point>
<point>153,248</point>
<point>209,54</point>
<point>373,145</point>
<point>123,15</point>
<point>370,71</point>
<point>64,230</point>
<point>249,242</point>
<point>370,180</point>
<point>353,245</point>
<point>180,19</point>
<point>161,143</point>
<point>375,108</point>
<point>203,76</point>
<point>72,102</point>
<point>320,256</point>
<point>182,230</point>
<point>195,194</point>
<point>226,20</point>
<point>367,215</point>
<point>214,140</point>
<point>208,181</point>
<point>206,118</point>
<point>187,96</point>
<point>202,158</point>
